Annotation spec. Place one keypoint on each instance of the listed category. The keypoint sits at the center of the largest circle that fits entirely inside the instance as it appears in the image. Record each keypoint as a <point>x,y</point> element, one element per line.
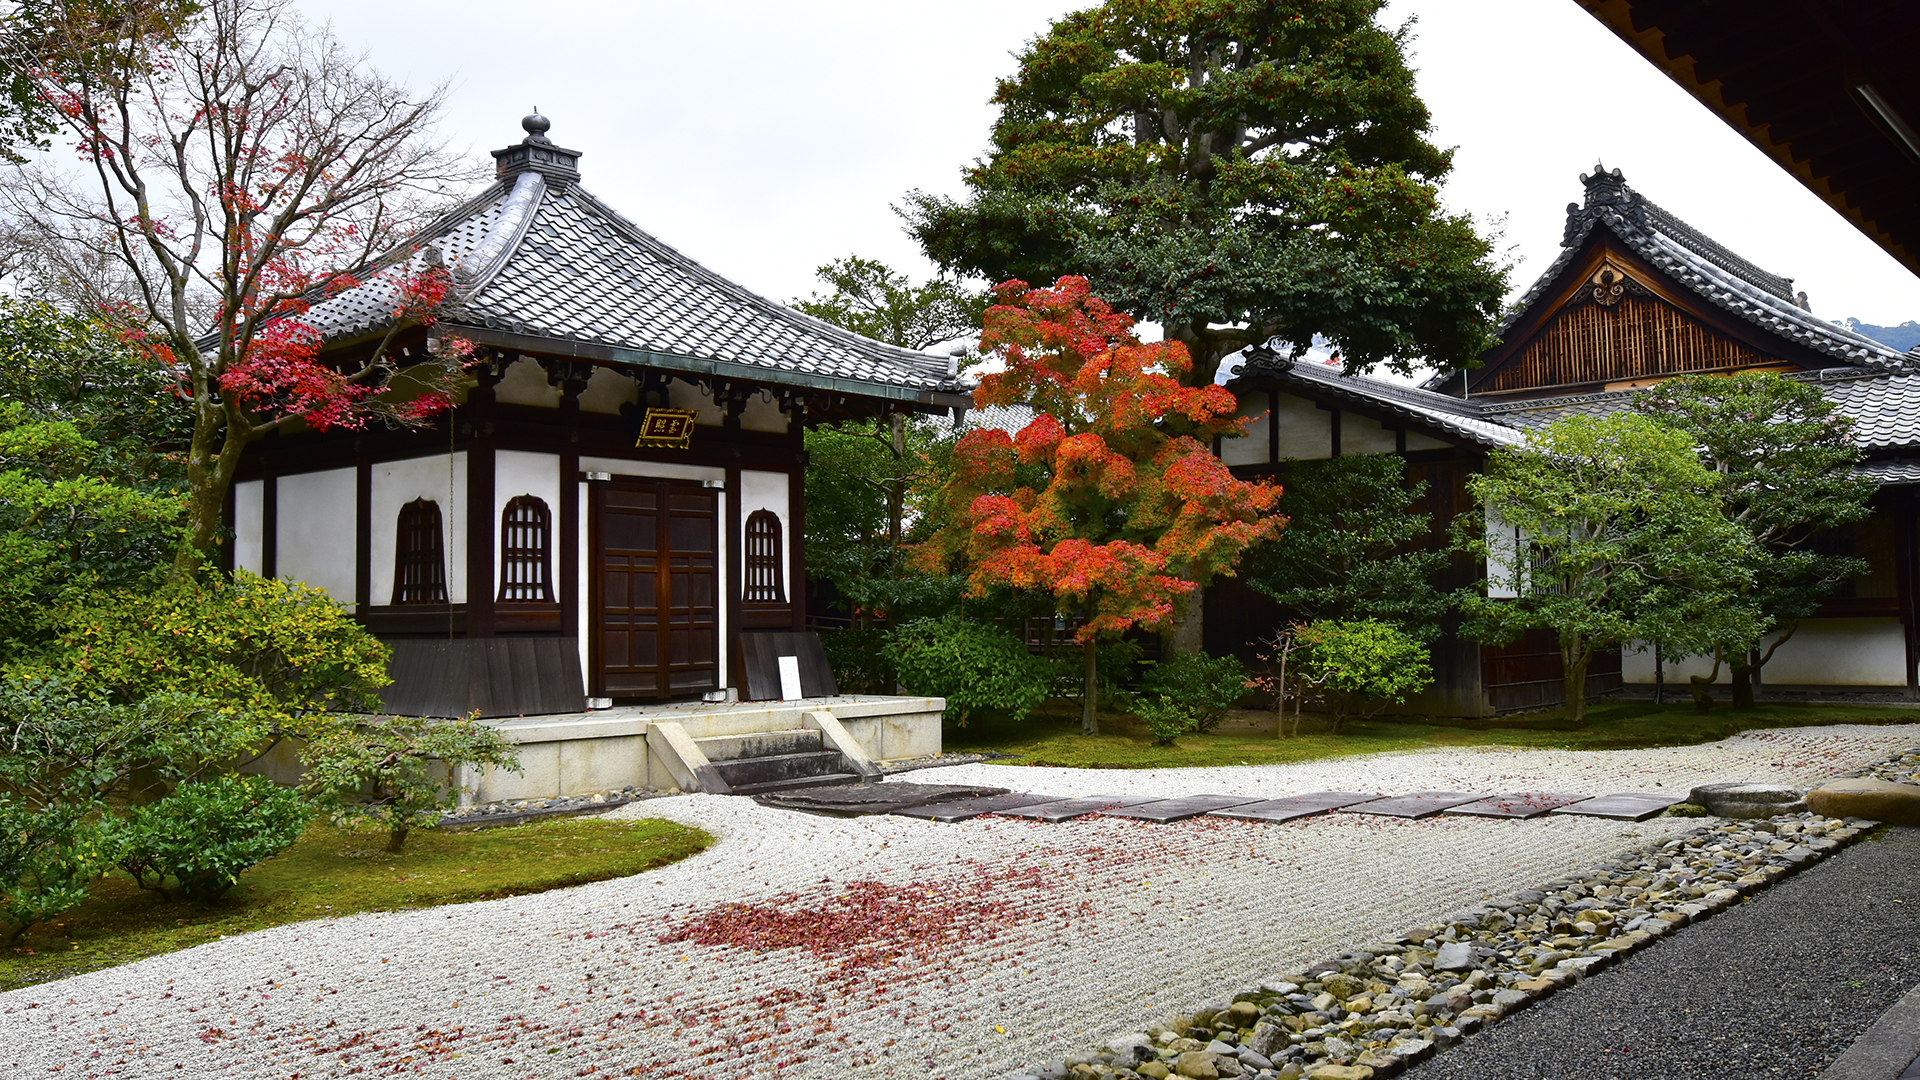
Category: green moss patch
<point>332,872</point>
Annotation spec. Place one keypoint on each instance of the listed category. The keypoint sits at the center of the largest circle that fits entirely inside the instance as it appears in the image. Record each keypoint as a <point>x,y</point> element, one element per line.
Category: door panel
<point>655,611</point>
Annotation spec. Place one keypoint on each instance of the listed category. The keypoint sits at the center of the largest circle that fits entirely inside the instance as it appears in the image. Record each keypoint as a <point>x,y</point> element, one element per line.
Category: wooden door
<point>655,602</point>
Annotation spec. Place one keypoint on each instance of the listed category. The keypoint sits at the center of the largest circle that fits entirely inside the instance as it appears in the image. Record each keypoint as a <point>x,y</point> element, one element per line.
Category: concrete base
<point>576,753</point>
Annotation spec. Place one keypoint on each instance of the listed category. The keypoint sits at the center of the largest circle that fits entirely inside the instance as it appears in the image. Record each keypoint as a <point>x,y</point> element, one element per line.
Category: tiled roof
<point>543,260</point>
<point>1885,408</point>
<point>1450,414</point>
<point>1710,271</point>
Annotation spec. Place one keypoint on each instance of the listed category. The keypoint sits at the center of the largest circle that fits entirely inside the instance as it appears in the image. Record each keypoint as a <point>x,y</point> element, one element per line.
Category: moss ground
<point>333,872</point>
<point>1051,736</point>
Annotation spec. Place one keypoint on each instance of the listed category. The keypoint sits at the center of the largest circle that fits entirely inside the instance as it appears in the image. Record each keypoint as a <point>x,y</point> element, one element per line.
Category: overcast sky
<point>765,138</point>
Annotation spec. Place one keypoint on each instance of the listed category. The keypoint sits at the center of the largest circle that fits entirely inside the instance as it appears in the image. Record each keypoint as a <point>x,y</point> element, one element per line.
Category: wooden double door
<point>655,601</point>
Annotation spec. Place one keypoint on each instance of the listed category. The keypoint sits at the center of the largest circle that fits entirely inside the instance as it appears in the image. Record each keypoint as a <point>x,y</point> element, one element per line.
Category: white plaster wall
<point>1823,652</point>
<point>517,473</point>
<point>607,391</point>
<point>770,491</point>
<point>314,531</point>
<point>1503,547</point>
<point>397,483</point>
<point>686,395</point>
<point>1417,441</point>
<point>1251,448</point>
<point>1364,435</point>
<point>1306,431</point>
<point>763,414</point>
<point>249,508</point>
<point>526,384</point>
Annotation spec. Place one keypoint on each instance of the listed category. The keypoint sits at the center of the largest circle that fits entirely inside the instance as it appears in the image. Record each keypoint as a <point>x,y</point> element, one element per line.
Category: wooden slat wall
<point>1635,338</point>
<point>491,676</point>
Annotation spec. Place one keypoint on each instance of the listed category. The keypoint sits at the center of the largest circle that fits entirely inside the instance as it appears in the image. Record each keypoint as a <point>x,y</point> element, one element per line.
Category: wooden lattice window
<point>525,531</point>
<point>419,558</point>
<point>764,559</point>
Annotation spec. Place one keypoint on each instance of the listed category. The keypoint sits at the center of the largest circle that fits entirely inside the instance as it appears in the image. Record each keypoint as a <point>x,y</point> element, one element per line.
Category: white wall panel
<point>249,508</point>
<point>397,483</point>
<point>1823,652</point>
<point>771,491</point>
<point>526,383</point>
<point>517,473</point>
<point>314,533</point>
<point>1306,430</point>
<point>1251,448</point>
<point>1364,435</point>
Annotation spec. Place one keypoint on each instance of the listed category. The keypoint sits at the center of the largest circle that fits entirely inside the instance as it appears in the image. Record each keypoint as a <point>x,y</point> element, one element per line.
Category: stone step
<point>720,748</point>
<point>741,773</point>
<point>825,780</point>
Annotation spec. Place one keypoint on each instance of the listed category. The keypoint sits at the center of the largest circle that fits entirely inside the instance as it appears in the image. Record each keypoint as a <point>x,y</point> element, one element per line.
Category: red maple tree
<point>239,167</point>
<point>1111,498</point>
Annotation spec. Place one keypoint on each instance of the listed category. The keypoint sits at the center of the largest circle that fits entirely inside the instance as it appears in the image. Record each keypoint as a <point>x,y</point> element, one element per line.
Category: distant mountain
<point>1902,337</point>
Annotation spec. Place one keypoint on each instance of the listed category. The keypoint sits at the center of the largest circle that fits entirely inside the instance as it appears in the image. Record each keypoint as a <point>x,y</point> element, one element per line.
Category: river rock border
<point>1375,1011</point>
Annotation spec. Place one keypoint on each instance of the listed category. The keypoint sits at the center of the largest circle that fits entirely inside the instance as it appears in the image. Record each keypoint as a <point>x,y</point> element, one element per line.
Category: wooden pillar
<point>1907,565</point>
<point>797,539</point>
<point>1273,425</point>
<point>733,581</point>
<point>270,527</point>
<point>1335,413</point>
<point>482,513</point>
<point>362,530</point>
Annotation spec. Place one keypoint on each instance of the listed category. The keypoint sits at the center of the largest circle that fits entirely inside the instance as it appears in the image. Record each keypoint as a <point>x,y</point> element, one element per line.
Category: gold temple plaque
<point>667,429</point>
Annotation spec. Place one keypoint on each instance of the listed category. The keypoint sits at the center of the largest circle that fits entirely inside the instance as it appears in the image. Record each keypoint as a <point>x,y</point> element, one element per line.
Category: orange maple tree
<point>1111,498</point>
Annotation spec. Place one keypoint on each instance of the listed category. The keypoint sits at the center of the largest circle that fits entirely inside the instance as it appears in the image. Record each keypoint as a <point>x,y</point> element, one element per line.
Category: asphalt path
<point>1776,986</point>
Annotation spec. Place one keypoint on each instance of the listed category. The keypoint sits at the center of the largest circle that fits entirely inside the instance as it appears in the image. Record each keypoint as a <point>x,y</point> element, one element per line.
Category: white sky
<point>765,138</point>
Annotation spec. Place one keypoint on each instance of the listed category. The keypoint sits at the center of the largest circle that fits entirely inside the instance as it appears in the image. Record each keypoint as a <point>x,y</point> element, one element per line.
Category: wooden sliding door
<point>655,607</point>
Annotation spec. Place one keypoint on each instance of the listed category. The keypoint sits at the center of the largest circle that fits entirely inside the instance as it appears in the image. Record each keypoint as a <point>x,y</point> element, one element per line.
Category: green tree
<point>1351,549</point>
<point>401,772</point>
<point>1606,531</point>
<point>1360,666</point>
<point>867,486</point>
<point>1234,170</point>
<point>873,300</point>
<point>1785,458</point>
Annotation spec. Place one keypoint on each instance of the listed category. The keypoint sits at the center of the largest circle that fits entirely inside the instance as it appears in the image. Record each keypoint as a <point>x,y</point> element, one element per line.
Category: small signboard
<point>667,429</point>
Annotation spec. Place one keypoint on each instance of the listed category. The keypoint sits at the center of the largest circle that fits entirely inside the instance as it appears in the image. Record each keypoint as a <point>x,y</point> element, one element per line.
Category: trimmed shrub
<point>1206,685</point>
<point>401,771</point>
<point>48,857</point>
<point>975,666</point>
<point>204,834</point>
<point>859,661</point>
<point>1362,665</point>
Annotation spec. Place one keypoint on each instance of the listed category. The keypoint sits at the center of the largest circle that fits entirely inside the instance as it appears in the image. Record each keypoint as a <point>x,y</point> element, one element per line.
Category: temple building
<point>613,510</point>
<point>1635,296</point>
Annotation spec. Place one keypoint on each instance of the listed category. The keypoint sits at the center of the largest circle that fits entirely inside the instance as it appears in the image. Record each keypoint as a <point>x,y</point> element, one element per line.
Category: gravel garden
<point>801,945</point>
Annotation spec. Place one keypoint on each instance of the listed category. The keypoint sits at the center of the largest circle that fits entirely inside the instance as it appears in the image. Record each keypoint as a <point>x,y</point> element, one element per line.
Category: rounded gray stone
<point>1749,800</point>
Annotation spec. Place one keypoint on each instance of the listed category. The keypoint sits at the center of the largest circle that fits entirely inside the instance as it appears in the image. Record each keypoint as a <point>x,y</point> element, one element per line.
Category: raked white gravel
<point>1027,940</point>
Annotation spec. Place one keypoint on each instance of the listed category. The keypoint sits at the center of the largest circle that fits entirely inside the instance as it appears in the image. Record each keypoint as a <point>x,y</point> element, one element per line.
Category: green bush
<point>49,855</point>
<point>1361,664</point>
<point>402,772</point>
<point>975,666</point>
<point>858,657</point>
<point>1167,717</point>
<point>1205,685</point>
<point>204,834</point>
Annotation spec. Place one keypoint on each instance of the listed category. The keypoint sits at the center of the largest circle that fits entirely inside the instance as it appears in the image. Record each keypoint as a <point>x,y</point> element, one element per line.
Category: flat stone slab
<point>1420,804</point>
<point>1623,806</point>
<point>1749,800</point>
<point>1068,809</point>
<point>1293,806</point>
<point>872,798</point>
<point>1525,804</point>
<point>1864,796</point>
<point>1192,806</point>
<point>951,810</point>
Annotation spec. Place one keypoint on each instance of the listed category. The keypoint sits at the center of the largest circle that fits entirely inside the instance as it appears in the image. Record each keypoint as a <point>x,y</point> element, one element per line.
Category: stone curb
<point>1888,1047</point>
<point>1258,1036</point>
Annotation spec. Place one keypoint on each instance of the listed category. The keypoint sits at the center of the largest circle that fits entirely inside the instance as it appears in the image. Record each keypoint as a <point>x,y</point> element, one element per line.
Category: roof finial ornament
<point>536,126</point>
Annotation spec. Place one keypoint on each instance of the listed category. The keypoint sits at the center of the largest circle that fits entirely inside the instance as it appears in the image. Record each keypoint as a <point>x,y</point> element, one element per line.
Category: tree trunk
<point>1090,689</point>
<point>1574,660</point>
<point>210,473</point>
<point>396,838</point>
<point>1185,635</point>
<point>1743,672</point>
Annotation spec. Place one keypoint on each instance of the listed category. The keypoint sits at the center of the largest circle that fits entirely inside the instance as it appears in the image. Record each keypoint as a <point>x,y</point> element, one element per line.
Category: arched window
<point>764,558</point>
<point>419,559</point>
<point>525,527</point>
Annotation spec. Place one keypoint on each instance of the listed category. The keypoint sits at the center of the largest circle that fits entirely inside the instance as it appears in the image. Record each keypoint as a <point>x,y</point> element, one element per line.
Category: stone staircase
<point>816,751</point>
<point>777,761</point>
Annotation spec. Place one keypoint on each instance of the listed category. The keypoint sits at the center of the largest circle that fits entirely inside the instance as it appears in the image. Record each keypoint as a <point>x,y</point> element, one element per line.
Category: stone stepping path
<point>1527,804</point>
<point>1068,809</point>
<point>1414,807</point>
<point>1298,806</point>
<point>1191,806</point>
<point>966,803</point>
<point>1624,806</point>
<point>962,809</point>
